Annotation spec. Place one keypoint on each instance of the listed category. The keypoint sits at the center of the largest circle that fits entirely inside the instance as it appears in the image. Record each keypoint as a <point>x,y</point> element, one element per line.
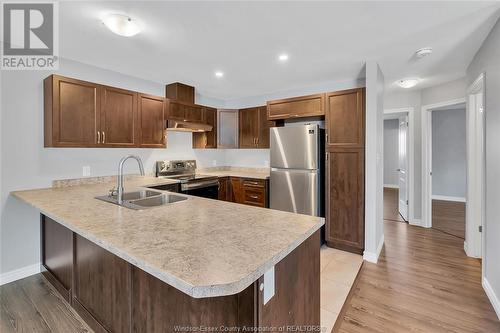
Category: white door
<point>403,167</point>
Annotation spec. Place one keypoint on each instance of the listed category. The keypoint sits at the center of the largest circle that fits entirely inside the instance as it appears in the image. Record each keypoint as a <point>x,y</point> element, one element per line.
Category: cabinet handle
<point>98,137</point>
<point>103,137</point>
<point>206,141</point>
<point>254,197</point>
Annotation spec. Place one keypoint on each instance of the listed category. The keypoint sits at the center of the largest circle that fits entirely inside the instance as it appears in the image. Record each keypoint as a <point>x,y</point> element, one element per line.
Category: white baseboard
<point>373,256</point>
<point>495,301</point>
<point>416,222</point>
<point>391,186</point>
<point>18,274</point>
<point>448,198</point>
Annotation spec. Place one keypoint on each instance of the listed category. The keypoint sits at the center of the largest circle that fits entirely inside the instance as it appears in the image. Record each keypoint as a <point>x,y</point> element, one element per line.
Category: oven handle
<point>192,186</point>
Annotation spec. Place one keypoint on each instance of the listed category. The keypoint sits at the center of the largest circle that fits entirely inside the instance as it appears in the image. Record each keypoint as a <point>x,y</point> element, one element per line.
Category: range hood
<point>187,126</point>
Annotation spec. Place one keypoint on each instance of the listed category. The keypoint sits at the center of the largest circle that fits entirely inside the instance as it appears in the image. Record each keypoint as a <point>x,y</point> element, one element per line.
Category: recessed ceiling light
<point>121,25</point>
<point>408,83</point>
<point>283,57</point>
<point>423,52</point>
<point>219,74</point>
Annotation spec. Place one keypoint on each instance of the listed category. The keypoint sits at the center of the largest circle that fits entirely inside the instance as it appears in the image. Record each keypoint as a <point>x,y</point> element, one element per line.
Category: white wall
<point>487,60</point>
<point>391,152</point>
<point>449,160</point>
<point>374,169</point>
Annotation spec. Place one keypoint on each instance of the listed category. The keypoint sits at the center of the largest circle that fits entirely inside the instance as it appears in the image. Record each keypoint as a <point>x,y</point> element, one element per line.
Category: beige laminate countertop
<point>203,247</point>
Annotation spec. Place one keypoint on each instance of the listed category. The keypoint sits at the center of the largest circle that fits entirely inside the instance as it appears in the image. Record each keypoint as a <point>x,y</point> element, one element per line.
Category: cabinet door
<point>102,286</point>
<point>223,188</point>
<point>193,113</point>
<point>345,199</point>
<point>176,111</point>
<point>57,255</point>
<point>151,121</point>
<point>118,117</point>
<point>264,126</point>
<point>296,107</point>
<point>210,117</point>
<point>249,127</point>
<point>71,112</point>
<point>345,118</point>
<point>237,191</point>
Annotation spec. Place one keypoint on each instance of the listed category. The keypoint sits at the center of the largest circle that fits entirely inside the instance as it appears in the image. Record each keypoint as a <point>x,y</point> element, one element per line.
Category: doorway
<point>451,171</point>
<point>398,159</point>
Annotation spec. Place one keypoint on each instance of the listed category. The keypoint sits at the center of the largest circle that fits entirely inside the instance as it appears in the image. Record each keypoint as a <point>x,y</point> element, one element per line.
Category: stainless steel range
<point>190,183</point>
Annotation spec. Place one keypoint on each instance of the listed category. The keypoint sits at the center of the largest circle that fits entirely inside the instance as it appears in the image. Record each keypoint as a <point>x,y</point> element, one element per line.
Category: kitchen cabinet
<point>180,92</point>
<point>185,111</point>
<point>207,139</point>
<point>71,112</point>
<point>345,120</point>
<point>84,114</point>
<point>118,117</point>
<point>57,258</point>
<point>227,129</point>
<point>254,128</point>
<point>296,107</point>
<point>151,111</point>
<point>345,172</point>
<point>102,287</point>
<point>224,189</point>
<point>249,191</point>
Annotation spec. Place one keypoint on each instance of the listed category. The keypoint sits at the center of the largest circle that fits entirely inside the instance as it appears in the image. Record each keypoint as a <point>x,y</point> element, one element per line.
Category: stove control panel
<point>164,168</point>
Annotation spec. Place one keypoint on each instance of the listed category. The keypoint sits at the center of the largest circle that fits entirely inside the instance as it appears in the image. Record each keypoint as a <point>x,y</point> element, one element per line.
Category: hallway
<point>423,282</point>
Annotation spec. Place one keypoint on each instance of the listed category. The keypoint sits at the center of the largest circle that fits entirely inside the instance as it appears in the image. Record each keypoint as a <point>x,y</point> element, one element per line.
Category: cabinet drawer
<point>255,197</point>
<point>251,183</point>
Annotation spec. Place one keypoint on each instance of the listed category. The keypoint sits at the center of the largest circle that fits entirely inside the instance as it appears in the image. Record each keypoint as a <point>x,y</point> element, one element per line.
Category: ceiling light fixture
<point>122,25</point>
<point>423,52</point>
<point>408,83</point>
<point>219,74</point>
<point>283,57</point>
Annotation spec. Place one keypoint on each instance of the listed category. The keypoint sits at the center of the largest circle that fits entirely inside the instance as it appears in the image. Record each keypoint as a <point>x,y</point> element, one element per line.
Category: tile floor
<point>338,272</point>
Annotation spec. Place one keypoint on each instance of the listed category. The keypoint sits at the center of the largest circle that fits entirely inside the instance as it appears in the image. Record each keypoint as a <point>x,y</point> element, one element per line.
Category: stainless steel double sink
<point>143,199</point>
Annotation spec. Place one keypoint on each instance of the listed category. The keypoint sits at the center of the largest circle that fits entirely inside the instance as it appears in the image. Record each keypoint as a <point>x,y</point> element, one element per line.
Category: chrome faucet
<point>119,196</point>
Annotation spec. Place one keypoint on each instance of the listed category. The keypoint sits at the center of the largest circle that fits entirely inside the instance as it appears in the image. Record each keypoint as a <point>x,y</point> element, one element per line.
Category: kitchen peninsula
<point>190,265</point>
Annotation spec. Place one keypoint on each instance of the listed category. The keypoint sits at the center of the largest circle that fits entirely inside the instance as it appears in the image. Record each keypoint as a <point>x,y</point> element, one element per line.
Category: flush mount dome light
<point>423,52</point>
<point>122,25</point>
<point>408,83</point>
<point>283,57</point>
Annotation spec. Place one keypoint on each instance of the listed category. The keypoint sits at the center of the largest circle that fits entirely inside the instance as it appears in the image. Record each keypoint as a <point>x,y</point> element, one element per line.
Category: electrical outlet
<point>266,164</point>
<point>214,162</point>
<point>86,171</point>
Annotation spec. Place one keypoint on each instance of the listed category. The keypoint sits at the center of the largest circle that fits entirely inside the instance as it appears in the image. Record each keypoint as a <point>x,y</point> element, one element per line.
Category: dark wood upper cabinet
<point>345,121</point>
<point>193,113</point>
<point>254,127</point>
<point>296,107</point>
<point>72,112</point>
<point>85,114</point>
<point>248,127</point>
<point>151,111</point>
<point>185,111</point>
<point>180,92</point>
<point>118,117</point>
<point>207,140</point>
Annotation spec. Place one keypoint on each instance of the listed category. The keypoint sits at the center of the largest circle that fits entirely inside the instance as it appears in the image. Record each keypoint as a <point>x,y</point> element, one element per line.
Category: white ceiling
<point>187,41</point>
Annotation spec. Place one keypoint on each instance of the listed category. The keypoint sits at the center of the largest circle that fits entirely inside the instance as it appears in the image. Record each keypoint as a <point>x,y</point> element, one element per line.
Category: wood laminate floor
<point>391,205</point>
<point>449,217</point>
<point>423,282</point>
<point>32,305</point>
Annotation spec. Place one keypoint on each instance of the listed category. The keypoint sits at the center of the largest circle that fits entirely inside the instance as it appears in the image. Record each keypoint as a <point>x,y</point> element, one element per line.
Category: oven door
<point>206,189</point>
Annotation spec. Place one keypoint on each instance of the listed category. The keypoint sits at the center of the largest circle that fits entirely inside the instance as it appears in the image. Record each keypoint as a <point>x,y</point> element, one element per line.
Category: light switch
<point>269,285</point>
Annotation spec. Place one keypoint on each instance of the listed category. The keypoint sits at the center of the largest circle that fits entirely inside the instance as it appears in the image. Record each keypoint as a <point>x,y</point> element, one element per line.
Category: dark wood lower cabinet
<point>57,256</point>
<point>112,295</point>
<point>249,191</point>
<point>345,228</point>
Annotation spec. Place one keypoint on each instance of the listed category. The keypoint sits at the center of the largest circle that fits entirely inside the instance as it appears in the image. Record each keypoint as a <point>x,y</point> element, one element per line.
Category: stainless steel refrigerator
<point>297,169</point>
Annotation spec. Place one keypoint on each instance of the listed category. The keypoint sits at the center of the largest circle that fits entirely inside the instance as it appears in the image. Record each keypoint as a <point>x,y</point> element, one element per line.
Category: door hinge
<point>327,157</point>
<point>480,228</point>
<point>407,202</point>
